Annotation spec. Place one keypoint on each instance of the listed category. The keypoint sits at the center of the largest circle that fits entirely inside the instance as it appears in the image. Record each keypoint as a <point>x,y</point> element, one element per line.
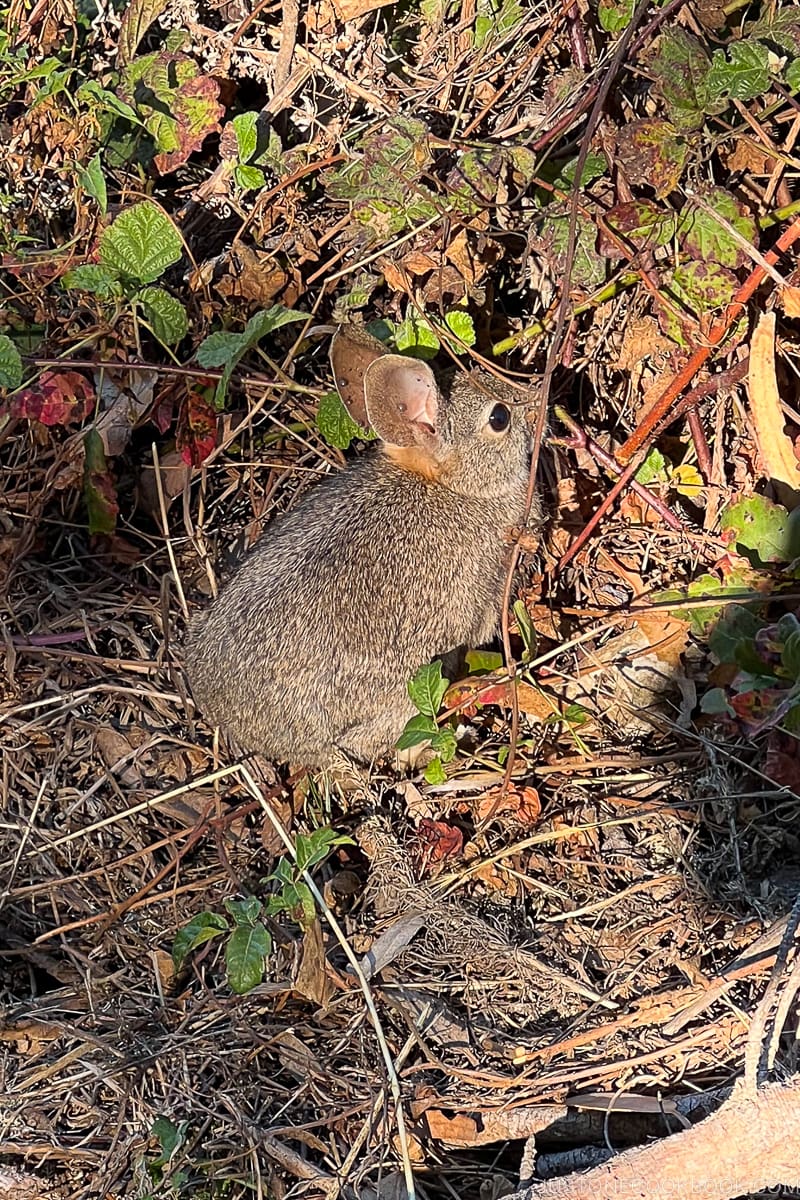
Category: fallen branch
<point>748,1145</point>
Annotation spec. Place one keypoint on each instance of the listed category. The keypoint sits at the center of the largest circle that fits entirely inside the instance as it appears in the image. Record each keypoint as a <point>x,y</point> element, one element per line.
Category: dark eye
<point>500,418</point>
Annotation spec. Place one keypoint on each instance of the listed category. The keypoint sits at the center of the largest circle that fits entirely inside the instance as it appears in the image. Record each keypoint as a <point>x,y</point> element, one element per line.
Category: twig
<point>663,404</point>
<point>725,379</point>
<point>580,440</point>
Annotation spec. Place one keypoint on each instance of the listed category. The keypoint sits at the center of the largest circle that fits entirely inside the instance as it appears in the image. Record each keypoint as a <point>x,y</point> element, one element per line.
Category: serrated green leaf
<point>791,73</point>
<point>680,68</point>
<point>462,325</point>
<point>417,336</point>
<point>615,15</point>
<point>427,688</point>
<point>165,315</point>
<point>419,729</point>
<point>141,243</point>
<point>200,929</point>
<point>653,469</point>
<point>700,290</point>
<point>639,222</point>
<point>708,240</point>
<point>10,363</point>
<point>92,278</point>
<point>245,127</point>
<point>759,526</point>
<point>249,178</point>
<point>588,267</point>
<point>336,425</point>
<point>93,182</point>
<point>245,957</point>
<point>742,75</point>
<point>435,772</point>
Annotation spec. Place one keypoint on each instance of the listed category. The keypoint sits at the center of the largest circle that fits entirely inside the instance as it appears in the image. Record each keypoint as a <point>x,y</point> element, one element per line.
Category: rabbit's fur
<point>398,558</point>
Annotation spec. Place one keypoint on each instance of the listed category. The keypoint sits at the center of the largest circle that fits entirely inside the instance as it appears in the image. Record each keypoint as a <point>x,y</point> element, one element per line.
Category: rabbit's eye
<point>500,418</point>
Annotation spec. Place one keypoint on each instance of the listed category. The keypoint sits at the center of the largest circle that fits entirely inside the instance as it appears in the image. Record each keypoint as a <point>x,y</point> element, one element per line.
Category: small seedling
<point>427,690</point>
<point>295,896</point>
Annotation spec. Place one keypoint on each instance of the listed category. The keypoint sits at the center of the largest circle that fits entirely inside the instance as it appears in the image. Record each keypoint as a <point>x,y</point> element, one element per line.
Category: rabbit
<point>397,559</point>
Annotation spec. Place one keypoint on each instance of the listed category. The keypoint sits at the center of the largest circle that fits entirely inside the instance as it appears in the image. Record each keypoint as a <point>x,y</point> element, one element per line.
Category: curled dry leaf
<point>776,449</point>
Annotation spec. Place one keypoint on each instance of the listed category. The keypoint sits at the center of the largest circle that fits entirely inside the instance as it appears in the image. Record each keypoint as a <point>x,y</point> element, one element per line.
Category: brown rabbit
<point>391,562</point>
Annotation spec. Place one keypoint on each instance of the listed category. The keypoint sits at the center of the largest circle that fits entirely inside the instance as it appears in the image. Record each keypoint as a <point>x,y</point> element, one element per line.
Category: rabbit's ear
<point>402,400</point>
<point>352,351</point>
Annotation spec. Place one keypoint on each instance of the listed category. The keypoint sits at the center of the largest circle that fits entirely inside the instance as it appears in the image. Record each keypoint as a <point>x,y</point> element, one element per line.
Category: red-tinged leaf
<point>197,428</point>
<point>437,841</point>
<point>639,223</point>
<point>782,762</point>
<point>99,491</point>
<point>652,152</point>
<point>57,398</point>
<point>524,804</point>
<point>495,688</point>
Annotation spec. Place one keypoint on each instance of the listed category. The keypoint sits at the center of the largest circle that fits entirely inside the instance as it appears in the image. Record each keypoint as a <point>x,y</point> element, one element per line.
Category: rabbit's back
<point>376,572</point>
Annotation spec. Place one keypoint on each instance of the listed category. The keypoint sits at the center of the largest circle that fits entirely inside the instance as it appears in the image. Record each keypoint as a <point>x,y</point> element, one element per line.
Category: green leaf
<point>480,661</point>
<point>462,325</point>
<point>99,493</point>
<point>245,911</point>
<point>427,688</point>
<point>249,178</point>
<point>714,702</point>
<point>200,929</point>
<point>245,957</point>
<point>595,167</point>
<point>226,349</point>
<point>790,657</point>
<point>526,630</point>
<point>435,772</point>
<point>791,74</point>
<point>141,243</point>
<point>311,849</point>
<point>494,20</point>
<point>92,278</point>
<point>245,128</point>
<point>417,336</point>
<point>589,267</point>
<point>419,729</point>
<point>165,315</point>
<point>680,68</point>
<point>758,526</point>
<point>653,469</point>
<point>736,624</point>
<point>10,363</point>
<point>444,743</point>
<point>699,289</point>
<point>93,182</point>
<point>615,15</point>
<point>706,239</point>
<point>741,76</point>
<point>179,104</point>
<point>170,1138</point>
<point>336,425</point>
